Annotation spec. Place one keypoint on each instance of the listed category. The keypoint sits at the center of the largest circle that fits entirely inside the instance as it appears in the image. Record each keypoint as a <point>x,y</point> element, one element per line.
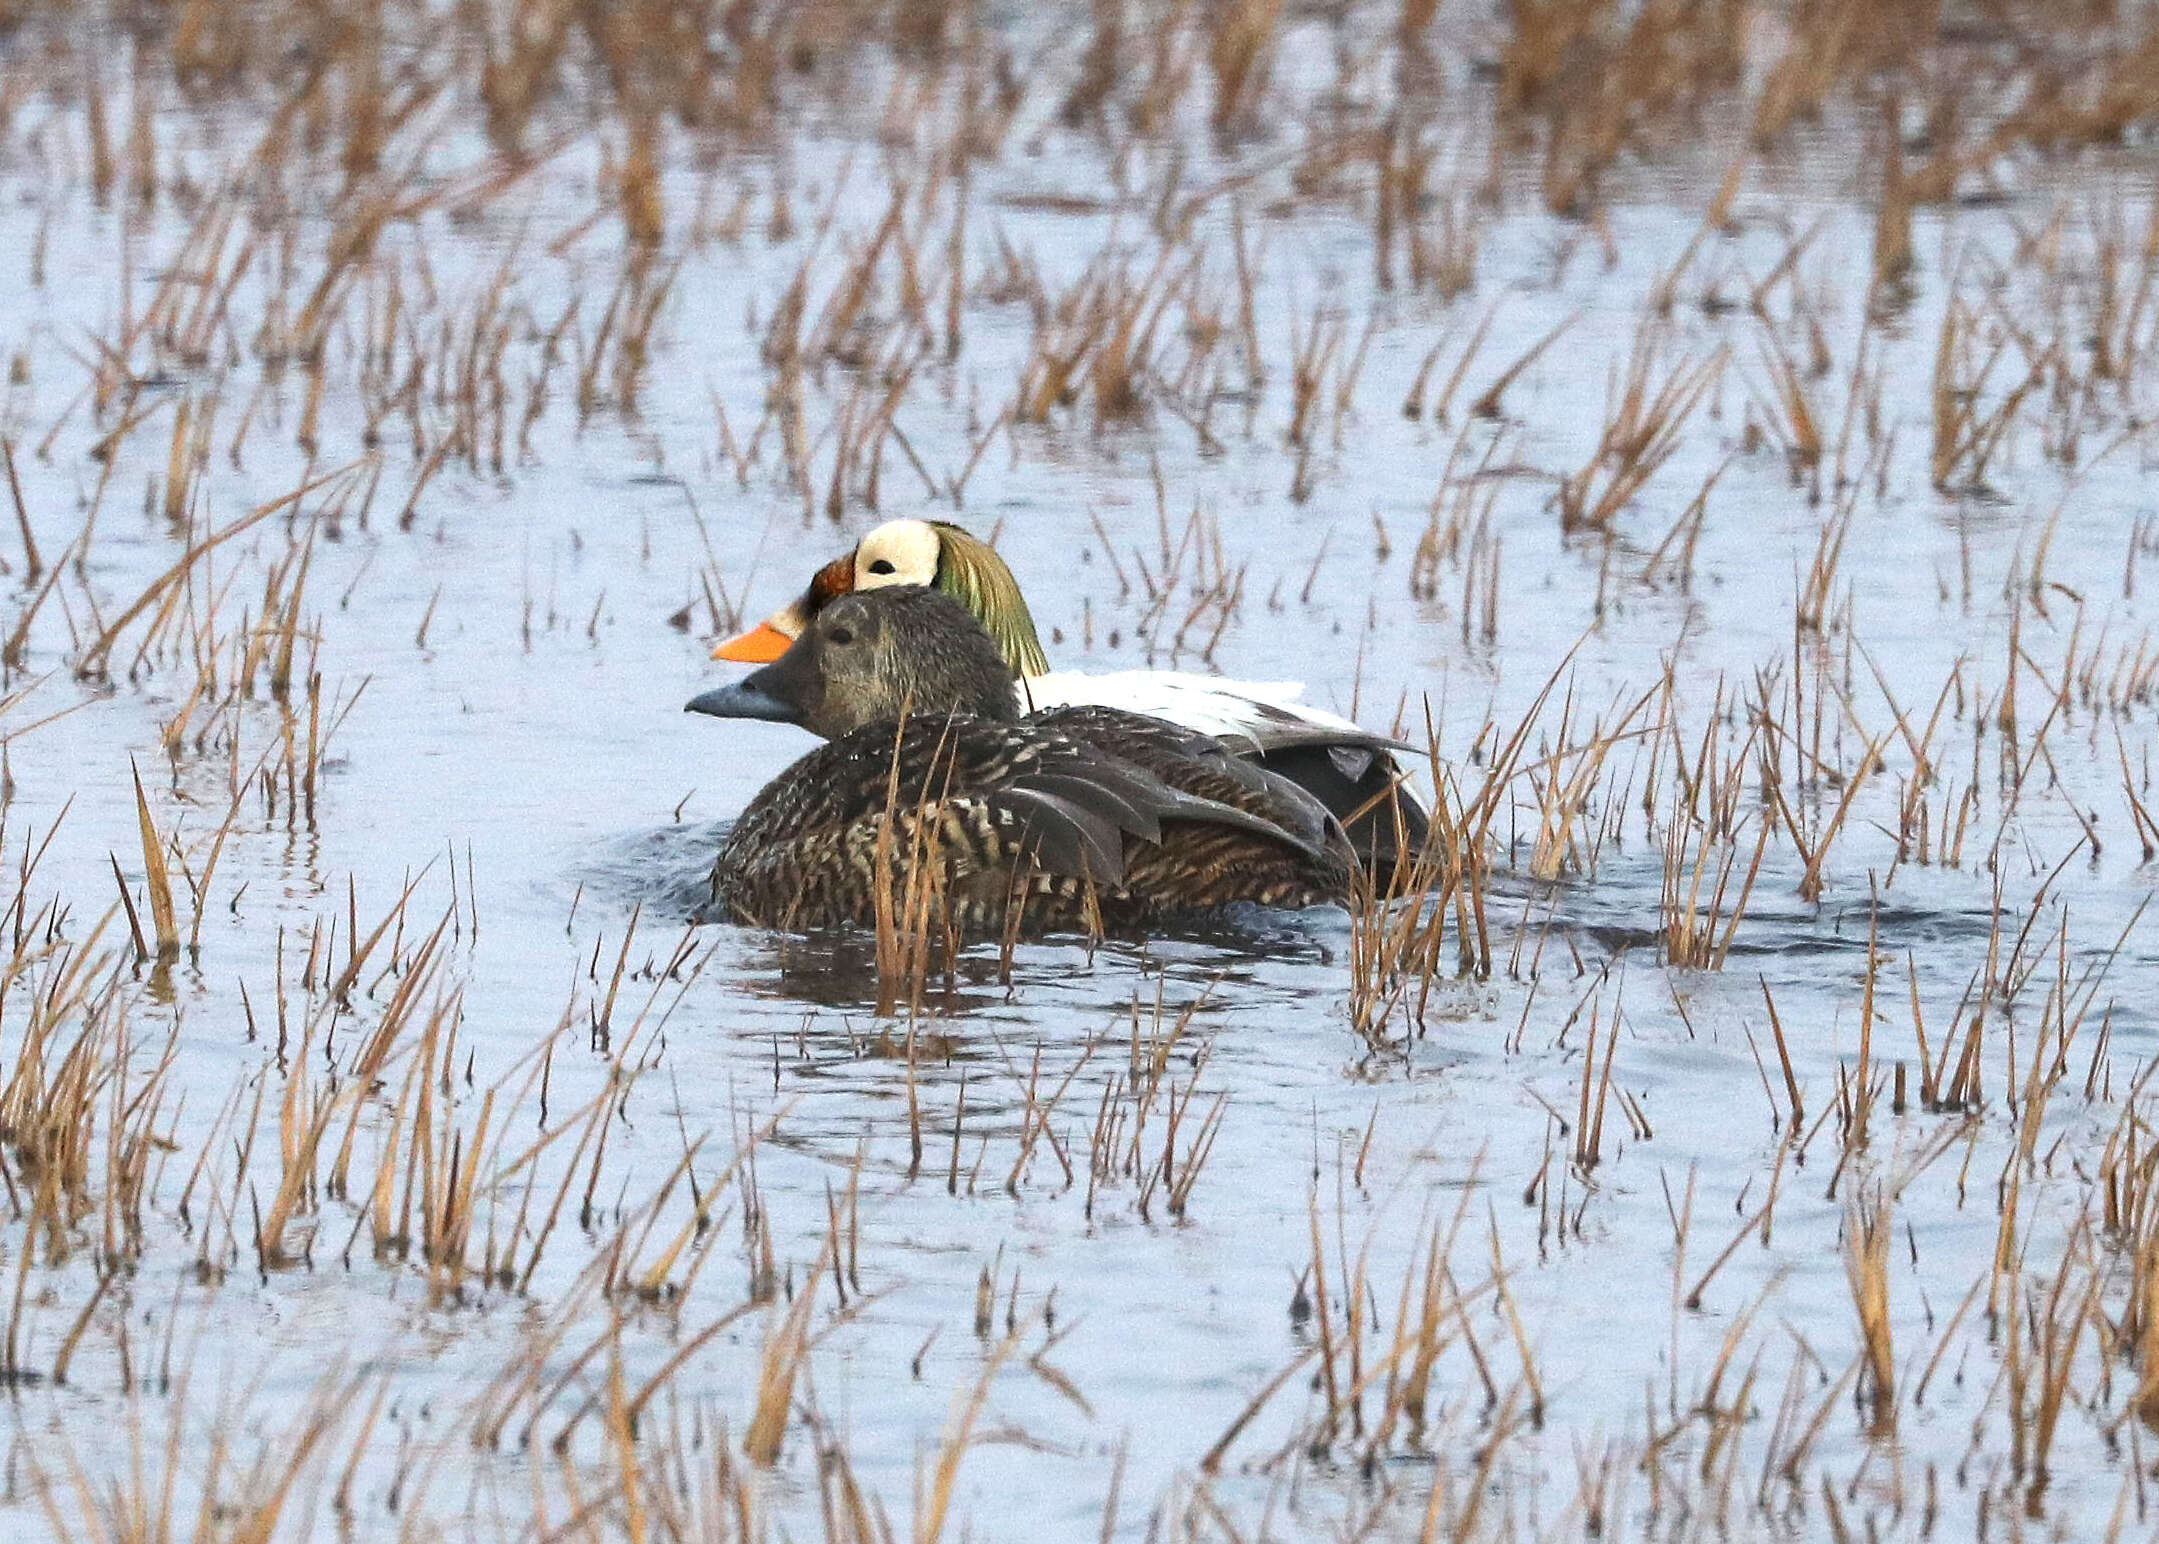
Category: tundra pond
<point>1718,439</point>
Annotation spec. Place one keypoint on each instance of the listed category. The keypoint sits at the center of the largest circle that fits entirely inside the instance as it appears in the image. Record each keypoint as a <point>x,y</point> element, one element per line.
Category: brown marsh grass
<point>359,272</point>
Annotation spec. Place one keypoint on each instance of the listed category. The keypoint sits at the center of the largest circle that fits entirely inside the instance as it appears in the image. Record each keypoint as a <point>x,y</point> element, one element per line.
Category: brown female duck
<point>1077,817</point>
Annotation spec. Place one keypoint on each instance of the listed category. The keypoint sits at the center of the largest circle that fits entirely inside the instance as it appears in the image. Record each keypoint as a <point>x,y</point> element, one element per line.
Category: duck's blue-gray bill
<point>741,700</point>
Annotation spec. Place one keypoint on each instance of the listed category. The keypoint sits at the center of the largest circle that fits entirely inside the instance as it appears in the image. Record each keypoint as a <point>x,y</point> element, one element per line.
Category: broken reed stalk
<point>33,562</point>
<point>1867,1235</point>
<point>787,1343</point>
<point>157,878</point>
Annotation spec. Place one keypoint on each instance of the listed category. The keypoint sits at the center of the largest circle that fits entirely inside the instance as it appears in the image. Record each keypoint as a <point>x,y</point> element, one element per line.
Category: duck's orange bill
<point>761,645</point>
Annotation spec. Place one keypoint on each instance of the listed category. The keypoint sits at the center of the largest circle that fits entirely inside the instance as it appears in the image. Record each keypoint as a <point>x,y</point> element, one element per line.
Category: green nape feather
<point>971,572</point>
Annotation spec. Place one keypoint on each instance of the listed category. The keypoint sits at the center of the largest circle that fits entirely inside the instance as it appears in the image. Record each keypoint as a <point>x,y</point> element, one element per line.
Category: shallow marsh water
<point>500,695</point>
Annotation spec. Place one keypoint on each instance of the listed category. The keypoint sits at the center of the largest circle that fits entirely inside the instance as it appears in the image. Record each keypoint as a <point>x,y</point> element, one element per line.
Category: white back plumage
<point>1249,715</point>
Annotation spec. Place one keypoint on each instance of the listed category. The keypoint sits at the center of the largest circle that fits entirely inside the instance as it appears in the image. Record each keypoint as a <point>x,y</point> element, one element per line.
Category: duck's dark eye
<point>881,566</point>
<point>842,635</point>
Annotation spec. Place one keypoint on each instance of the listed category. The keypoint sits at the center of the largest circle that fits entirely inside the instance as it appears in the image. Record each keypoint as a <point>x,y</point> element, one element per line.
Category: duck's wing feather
<point>1074,811</point>
<point>1063,837</point>
<point>1201,767</point>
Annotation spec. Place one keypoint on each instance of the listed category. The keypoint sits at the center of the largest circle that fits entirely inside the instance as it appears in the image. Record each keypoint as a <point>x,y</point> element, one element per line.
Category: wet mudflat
<point>1721,436</point>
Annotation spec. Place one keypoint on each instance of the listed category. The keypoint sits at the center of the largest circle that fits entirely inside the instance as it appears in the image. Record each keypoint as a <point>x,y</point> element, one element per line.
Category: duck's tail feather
<point>1385,822</point>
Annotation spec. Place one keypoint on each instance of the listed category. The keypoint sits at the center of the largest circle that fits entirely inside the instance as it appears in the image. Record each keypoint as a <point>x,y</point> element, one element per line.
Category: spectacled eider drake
<point>1082,816</point>
<point>1347,768</point>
